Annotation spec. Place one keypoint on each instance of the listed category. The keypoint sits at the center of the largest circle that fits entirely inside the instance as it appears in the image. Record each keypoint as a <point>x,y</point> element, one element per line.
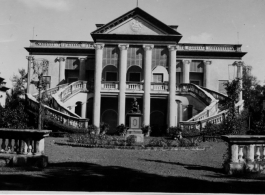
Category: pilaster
<point>82,68</point>
<point>61,68</point>
<point>186,71</point>
<point>206,74</point>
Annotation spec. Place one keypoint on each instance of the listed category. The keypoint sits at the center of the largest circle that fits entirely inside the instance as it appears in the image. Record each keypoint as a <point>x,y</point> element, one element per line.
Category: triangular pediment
<point>136,22</point>
<point>136,25</point>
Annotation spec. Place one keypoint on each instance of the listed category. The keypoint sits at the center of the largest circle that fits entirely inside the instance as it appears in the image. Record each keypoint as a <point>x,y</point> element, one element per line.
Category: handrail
<point>215,94</point>
<point>72,89</point>
<point>51,91</point>
<point>63,116</point>
<point>204,96</point>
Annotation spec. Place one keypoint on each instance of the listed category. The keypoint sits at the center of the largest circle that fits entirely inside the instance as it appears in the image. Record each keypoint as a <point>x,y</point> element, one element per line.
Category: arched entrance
<point>111,117</point>
<point>78,108</point>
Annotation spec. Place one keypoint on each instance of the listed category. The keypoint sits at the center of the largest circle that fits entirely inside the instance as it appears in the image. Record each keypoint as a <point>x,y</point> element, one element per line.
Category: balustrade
<point>159,86</point>
<point>109,85</point>
<point>134,86</point>
<point>22,141</point>
<point>247,153</point>
<point>74,88</point>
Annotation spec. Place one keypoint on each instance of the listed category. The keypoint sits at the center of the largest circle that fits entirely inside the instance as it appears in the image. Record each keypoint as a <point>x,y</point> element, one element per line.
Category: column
<point>122,82</point>
<point>240,65</point>
<point>97,83</point>
<point>61,69</point>
<point>186,71</point>
<point>83,109</point>
<point>172,85</point>
<point>206,74</point>
<point>30,60</point>
<point>147,83</point>
<point>234,153</point>
<point>82,69</point>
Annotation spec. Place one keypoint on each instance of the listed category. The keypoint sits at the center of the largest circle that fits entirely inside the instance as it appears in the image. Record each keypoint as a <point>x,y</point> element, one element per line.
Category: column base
<point>245,168</point>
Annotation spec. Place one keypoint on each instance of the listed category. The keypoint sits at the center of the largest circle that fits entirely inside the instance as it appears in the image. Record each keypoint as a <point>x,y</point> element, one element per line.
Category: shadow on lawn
<point>189,167</point>
<point>76,176</point>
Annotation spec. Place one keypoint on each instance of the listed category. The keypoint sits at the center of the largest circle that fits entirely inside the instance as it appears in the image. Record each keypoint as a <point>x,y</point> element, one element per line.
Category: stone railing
<point>23,141</point>
<point>246,153</point>
<point>110,85</point>
<point>51,91</point>
<point>216,95</point>
<point>60,114</point>
<point>133,86</point>
<point>196,90</point>
<point>209,47</point>
<point>159,86</point>
<point>72,89</point>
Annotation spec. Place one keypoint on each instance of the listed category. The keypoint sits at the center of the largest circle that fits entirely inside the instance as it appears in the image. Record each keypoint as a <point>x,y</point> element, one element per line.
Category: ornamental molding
<point>186,61</point>
<point>99,46</point>
<point>123,46</point>
<point>148,47</point>
<point>136,26</point>
<point>172,47</point>
<point>30,58</point>
<point>207,62</point>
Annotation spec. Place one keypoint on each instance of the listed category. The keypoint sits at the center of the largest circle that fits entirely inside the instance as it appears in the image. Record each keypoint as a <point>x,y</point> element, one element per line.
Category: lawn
<point>97,169</point>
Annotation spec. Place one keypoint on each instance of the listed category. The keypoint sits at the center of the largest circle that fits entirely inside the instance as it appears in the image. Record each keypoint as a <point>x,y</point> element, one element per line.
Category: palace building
<point>135,55</point>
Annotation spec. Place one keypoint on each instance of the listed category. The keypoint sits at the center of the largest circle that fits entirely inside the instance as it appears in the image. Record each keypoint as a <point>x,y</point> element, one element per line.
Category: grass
<point>97,169</point>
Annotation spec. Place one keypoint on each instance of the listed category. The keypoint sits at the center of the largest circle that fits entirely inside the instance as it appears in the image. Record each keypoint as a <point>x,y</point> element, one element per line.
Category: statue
<point>135,106</point>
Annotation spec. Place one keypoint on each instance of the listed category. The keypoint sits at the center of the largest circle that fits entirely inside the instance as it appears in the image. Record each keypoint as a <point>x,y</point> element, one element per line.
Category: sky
<point>199,21</point>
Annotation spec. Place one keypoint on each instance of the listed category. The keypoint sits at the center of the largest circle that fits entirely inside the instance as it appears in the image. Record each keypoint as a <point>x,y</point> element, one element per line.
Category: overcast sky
<point>199,21</point>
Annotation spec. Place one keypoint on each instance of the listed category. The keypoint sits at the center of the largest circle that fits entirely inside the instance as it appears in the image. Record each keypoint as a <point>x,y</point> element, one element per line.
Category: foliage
<point>14,115</point>
<point>146,129</point>
<point>121,130</point>
<point>19,84</point>
<point>104,127</point>
<point>131,140</point>
<point>174,132</point>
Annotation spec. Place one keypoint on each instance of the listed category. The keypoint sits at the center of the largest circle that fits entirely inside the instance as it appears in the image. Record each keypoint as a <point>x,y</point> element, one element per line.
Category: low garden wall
<point>246,154</point>
<point>20,147</point>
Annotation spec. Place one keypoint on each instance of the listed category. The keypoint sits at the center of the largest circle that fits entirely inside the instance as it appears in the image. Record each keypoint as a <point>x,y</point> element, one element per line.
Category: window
<point>195,82</point>
<point>158,78</point>
<point>111,76</point>
<point>72,79</point>
<point>135,76</point>
<point>47,80</point>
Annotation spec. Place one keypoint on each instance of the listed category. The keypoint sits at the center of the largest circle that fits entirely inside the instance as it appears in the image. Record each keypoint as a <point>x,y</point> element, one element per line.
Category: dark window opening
<point>135,76</point>
<point>111,76</point>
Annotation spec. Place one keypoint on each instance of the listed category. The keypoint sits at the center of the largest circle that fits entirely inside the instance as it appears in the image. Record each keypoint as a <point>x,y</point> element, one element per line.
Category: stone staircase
<point>55,108</point>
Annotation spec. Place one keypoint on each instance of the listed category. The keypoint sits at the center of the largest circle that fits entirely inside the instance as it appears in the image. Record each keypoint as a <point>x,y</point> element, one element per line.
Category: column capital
<point>172,47</point>
<point>207,62</point>
<point>99,46</point>
<point>60,59</point>
<point>238,63</point>
<point>82,58</point>
<point>30,58</point>
<point>148,47</point>
<point>123,46</point>
<point>186,61</point>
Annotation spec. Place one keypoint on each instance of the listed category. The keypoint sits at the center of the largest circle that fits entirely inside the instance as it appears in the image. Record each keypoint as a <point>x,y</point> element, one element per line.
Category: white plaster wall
<point>2,98</point>
<point>161,69</point>
<point>219,71</point>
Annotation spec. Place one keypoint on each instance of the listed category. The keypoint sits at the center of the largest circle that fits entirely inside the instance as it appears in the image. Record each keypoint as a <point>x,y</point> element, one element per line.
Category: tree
<point>40,67</point>
<point>19,84</point>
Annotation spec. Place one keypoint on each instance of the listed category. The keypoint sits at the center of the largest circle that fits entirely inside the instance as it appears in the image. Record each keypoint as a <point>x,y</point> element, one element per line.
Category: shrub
<point>121,130</point>
<point>146,129</point>
<point>162,142</point>
<point>104,127</point>
<point>131,140</point>
<point>175,132</point>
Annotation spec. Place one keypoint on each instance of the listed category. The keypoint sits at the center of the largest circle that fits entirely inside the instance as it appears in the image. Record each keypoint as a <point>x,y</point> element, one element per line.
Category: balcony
<point>134,86</point>
<point>109,85</point>
<point>161,87</point>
